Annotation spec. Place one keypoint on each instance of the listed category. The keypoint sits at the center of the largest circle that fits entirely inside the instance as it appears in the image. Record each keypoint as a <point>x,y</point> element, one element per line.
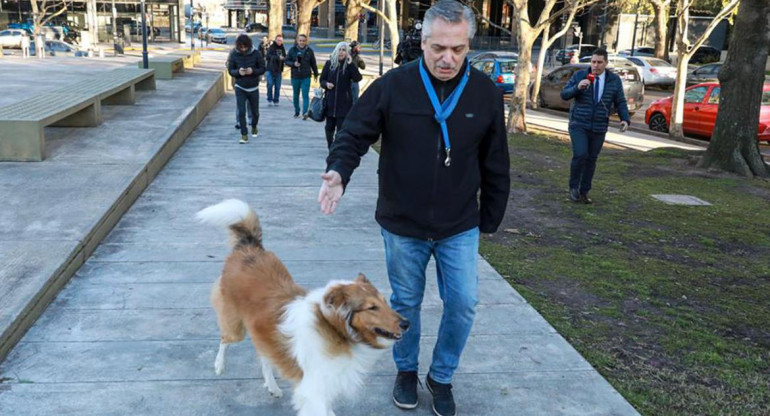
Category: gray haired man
<point>443,140</point>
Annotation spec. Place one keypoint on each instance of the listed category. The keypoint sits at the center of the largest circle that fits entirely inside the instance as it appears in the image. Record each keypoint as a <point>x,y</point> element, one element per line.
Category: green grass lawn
<point>670,303</point>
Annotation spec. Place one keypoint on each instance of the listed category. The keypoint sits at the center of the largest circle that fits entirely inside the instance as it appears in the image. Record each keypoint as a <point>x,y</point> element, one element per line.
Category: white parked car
<point>655,71</point>
<point>11,38</point>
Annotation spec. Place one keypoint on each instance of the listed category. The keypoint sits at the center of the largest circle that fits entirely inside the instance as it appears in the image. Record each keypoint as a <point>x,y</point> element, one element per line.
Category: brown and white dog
<point>324,340</point>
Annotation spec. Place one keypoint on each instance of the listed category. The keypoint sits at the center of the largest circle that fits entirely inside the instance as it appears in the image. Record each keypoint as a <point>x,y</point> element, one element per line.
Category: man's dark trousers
<point>586,146</point>
<point>242,99</point>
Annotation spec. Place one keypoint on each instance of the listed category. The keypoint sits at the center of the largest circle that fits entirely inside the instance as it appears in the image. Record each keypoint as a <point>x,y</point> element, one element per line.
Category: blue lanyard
<point>443,111</point>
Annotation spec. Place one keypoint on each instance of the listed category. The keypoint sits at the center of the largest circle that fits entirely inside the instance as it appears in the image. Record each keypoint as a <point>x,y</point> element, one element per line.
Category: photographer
<point>355,55</point>
<point>409,49</point>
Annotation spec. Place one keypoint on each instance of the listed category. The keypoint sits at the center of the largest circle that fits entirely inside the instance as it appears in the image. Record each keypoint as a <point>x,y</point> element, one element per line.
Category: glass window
<point>488,68</point>
<point>563,76</point>
<point>507,67</point>
<point>658,62</point>
<point>714,97</point>
<point>5,33</point>
<point>695,95</point>
<point>477,65</point>
<point>636,61</point>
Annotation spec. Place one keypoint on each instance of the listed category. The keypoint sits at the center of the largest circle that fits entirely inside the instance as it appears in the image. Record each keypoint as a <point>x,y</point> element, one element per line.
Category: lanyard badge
<point>444,110</point>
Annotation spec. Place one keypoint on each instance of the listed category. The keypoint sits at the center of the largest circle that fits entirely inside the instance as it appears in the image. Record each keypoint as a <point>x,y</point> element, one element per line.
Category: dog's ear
<point>335,297</point>
<point>362,279</point>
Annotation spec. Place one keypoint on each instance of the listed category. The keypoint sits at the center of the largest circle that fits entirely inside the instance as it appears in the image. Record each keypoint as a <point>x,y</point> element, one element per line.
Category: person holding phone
<point>595,91</point>
<point>245,65</point>
<point>301,60</point>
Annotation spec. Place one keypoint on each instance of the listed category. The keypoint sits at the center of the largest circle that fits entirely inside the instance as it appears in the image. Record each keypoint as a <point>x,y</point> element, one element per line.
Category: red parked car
<point>701,103</point>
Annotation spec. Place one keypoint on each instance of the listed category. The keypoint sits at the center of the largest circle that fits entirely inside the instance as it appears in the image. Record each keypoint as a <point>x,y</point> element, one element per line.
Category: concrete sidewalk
<point>132,333</point>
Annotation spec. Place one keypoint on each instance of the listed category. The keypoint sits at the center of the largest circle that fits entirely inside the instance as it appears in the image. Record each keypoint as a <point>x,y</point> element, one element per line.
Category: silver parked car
<point>655,71</point>
<point>554,82</point>
<point>11,38</point>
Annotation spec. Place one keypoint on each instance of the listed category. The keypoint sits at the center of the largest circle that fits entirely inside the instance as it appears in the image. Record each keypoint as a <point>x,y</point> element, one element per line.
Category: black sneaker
<point>237,126</point>
<point>405,389</point>
<point>305,116</point>
<point>443,401</point>
<point>296,115</point>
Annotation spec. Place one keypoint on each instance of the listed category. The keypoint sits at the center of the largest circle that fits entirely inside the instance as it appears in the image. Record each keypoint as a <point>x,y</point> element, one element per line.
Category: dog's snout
<point>404,324</point>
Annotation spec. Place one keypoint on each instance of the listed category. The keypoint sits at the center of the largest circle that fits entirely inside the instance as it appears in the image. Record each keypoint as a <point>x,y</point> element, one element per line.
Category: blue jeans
<point>248,108</point>
<point>304,85</point>
<point>586,146</point>
<point>273,86</point>
<point>457,277</point>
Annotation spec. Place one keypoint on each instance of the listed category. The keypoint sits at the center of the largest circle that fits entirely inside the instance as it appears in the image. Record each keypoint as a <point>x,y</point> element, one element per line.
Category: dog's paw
<point>274,391</point>
<point>219,366</point>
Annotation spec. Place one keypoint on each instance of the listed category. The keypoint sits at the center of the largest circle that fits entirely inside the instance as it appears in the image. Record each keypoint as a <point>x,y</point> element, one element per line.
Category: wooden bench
<point>190,58</point>
<point>165,66</point>
<point>116,87</point>
<point>22,124</point>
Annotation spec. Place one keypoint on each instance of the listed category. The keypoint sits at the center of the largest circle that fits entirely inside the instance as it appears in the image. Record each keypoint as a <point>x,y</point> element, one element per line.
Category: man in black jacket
<point>276,54</point>
<point>301,60</point>
<point>246,65</point>
<point>443,140</point>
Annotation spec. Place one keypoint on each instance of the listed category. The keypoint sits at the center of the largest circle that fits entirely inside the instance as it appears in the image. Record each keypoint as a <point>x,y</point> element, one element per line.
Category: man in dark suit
<point>595,91</point>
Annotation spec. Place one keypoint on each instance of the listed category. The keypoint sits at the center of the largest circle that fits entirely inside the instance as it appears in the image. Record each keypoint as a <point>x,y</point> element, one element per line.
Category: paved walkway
<point>132,333</point>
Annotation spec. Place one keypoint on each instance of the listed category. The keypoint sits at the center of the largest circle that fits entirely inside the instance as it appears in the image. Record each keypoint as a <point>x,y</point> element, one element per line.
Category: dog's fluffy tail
<point>241,220</point>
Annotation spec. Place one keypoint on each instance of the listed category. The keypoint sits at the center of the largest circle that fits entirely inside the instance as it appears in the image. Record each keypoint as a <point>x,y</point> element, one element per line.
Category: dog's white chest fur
<point>323,375</point>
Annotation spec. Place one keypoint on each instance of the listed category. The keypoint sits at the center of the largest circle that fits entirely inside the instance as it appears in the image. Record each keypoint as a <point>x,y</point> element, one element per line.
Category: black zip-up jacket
<point>275,57</point>
<point>252,59</point>
<point>307,63</point>
<point>339,99</point>
<point>418,195</point>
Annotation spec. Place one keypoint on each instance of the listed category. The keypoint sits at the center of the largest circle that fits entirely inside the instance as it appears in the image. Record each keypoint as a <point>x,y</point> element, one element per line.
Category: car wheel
<point>540,100</point>
<point>658,123</point>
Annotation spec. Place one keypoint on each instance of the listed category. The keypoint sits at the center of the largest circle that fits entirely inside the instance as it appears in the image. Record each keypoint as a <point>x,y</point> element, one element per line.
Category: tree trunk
<point>660,9</point>
<point>276,18</point>
<point>545,43</point>
<point>683,57</point>
<point>685,52</point>
<point>352,17</point>
<point>734,146</point>
<point>677,102</point>
<point>390,6</point>
<point>304,14</point>
<point>518,112</point>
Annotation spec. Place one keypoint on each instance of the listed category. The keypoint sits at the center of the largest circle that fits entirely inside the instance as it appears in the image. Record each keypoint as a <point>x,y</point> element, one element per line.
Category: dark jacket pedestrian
<point>306,58</point>
<point>596,91</point>
<point>301,60</point>
<point>337,79</point>
<point>276,55</point>
<point>245,65</point>
<point>419,196</point>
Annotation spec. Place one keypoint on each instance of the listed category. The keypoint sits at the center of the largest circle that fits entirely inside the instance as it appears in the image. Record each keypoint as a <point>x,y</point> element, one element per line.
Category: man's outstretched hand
<point>331,191</point>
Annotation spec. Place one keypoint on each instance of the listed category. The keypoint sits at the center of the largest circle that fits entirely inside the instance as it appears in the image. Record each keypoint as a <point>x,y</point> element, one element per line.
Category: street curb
<point>176,136</point>
<point>637,129</point>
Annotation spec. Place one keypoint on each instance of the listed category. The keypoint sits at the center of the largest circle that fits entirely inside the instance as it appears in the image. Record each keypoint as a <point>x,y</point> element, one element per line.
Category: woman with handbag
<point>337,79</point>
